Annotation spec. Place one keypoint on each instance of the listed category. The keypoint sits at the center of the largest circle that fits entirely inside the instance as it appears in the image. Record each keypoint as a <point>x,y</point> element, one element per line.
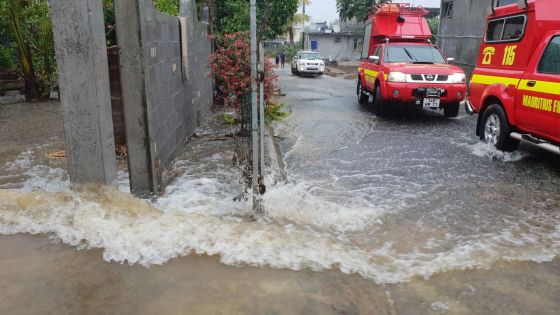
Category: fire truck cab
<point>401,67</point>
<point>515,88</point>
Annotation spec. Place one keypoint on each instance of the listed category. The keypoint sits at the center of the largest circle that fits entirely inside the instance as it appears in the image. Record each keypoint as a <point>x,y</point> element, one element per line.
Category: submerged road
<point>420,196</point>
<point>401,215</point>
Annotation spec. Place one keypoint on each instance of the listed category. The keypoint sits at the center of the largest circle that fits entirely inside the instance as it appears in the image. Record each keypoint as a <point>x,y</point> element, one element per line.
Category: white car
<point>308,62</point>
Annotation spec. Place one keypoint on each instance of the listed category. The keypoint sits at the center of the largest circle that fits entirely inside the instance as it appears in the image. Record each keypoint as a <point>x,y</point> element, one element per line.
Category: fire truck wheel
<point>380,105</point>
<point>362,97</point>
<point>496,129</point>
<point>451,110</point>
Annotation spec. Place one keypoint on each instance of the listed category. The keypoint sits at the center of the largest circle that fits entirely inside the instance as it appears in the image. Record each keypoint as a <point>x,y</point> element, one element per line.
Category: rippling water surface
<point>388,199</point>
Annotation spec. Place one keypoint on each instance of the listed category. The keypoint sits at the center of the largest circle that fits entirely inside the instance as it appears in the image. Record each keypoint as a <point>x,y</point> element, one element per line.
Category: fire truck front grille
<point>429,78</point>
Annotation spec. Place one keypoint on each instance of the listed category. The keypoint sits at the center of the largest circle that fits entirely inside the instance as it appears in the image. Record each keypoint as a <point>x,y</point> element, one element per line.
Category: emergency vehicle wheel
<point>451,110</point>
<point>362,97</point>
<point>496,129</point>
<point>379,105</point>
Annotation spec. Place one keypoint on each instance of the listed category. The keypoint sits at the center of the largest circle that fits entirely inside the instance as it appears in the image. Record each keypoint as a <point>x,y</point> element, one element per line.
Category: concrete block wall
<point>176,99</point>
<point>163,101</point>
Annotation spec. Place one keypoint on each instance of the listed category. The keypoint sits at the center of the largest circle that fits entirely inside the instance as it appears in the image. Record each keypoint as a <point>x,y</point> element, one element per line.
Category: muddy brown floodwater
<point>39,276</point>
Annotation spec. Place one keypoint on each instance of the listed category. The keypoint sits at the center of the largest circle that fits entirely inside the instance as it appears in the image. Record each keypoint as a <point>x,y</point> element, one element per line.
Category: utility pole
<point>254,107</point>
<point>261,118</point>
<point>302,26</point>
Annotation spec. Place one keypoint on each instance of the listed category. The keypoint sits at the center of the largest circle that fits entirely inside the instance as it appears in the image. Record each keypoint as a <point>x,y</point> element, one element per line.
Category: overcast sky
<point>325,10</point>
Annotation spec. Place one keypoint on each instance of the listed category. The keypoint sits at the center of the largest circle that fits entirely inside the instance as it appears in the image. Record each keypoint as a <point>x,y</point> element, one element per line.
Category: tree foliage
<point>232,16</point>
<point>297,19</point>
<point>28,33</point>
<point>359,9</point>
<point>434,28</point>
<point>170,7</point>
<point>231,66</point>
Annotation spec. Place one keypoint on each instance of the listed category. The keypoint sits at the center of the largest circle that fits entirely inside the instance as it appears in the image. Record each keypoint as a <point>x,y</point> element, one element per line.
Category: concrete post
<point>129,15</point>
<point>81,53</point>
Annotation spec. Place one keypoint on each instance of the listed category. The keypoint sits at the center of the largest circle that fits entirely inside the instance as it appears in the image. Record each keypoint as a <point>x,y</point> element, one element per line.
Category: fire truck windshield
<point>413,54</point>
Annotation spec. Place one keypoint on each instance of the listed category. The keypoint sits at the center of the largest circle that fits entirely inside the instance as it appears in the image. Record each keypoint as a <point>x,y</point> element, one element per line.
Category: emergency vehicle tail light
<point>396,77</point>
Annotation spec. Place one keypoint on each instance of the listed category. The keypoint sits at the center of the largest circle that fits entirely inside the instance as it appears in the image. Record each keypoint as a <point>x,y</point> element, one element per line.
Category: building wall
<point>336,50</point>
<point>177,99</point>
<point>166,89</point>
<point>460,36</point>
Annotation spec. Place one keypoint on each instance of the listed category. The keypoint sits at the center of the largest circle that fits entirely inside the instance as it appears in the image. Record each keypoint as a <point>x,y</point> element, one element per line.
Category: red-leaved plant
<point>231,66</point>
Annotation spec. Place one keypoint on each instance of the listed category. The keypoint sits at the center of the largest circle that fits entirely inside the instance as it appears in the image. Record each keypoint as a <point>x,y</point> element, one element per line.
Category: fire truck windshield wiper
<point>410,55</point>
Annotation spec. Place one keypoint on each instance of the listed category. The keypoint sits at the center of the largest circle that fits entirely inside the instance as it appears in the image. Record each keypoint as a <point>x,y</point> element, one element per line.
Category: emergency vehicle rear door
<point>538,101</point>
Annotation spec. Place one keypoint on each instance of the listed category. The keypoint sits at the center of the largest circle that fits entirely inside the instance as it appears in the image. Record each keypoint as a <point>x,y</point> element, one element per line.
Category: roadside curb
<point>274,157</point>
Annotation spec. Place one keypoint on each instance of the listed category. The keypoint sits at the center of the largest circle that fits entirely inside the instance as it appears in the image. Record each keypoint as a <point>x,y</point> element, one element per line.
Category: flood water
<point>403,215</point>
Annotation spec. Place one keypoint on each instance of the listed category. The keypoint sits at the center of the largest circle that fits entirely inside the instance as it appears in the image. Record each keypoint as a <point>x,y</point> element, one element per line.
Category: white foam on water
<point>123,181</point>
<point>302,229</point>
<point>37,176</point>
<point>296,202</point>
<point>23,161</point>
<point>134,231</point>
<point>483,149</point>
<point>440,306</point>
<point>45,178</point>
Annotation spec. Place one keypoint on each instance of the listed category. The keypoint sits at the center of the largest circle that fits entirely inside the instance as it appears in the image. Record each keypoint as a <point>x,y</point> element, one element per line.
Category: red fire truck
<point>515,87</point>
<point>400,66</point>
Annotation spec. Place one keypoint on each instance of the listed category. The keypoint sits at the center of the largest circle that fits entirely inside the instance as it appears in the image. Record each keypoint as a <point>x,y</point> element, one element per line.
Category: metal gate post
<point>262,107</point>
<point>254,116</point>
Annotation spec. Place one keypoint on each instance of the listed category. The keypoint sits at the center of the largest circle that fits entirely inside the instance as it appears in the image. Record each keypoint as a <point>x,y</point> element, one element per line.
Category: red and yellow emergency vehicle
<point>401,66</point>
<point>515,87</point>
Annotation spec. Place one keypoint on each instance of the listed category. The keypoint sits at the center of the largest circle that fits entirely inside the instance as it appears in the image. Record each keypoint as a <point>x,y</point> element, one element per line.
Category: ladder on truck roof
<point>395,22</point>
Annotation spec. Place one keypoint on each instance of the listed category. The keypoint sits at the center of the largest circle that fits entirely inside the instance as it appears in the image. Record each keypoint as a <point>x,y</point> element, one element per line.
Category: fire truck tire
<point>495,129</point>
<point>379,105</point>
<point>451,110</point>
<point>362,97</point>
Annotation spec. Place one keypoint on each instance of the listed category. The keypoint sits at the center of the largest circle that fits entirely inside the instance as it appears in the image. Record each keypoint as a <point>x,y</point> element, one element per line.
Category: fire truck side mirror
<point>374,59</point>
<point>450,60</point>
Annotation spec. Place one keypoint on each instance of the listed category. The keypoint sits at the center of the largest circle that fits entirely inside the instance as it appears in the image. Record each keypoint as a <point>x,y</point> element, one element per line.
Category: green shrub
<point>273,112</point>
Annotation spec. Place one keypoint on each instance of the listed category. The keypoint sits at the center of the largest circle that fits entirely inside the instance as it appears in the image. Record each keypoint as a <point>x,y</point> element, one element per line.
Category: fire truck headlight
<point>458,78</point>
<point>396,77</point>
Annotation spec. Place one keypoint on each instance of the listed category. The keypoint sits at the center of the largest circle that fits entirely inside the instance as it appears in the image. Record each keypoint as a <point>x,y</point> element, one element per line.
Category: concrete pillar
<point>129,15</point>
<point>81,54</point>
